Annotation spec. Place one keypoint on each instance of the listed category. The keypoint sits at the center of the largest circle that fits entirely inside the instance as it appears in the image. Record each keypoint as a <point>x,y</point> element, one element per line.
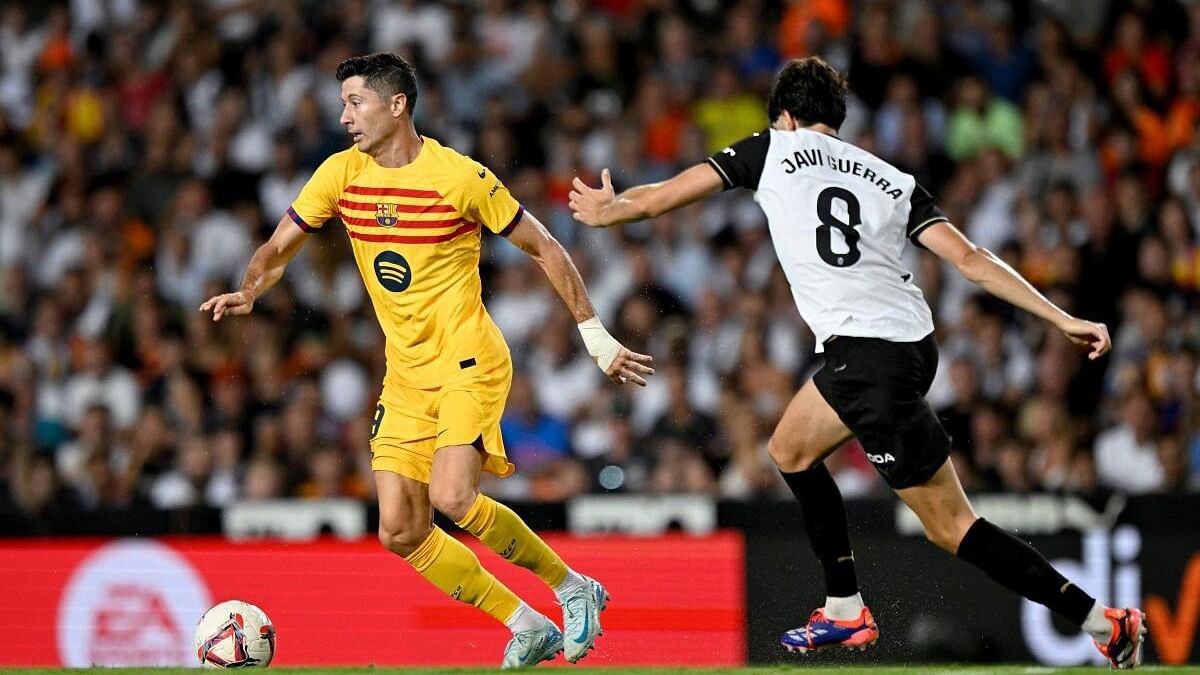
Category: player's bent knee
<point>946,534</point>
<point>402,539</point>
<point>941,538</point>
<point>452,500</point>
<point>789,460</point>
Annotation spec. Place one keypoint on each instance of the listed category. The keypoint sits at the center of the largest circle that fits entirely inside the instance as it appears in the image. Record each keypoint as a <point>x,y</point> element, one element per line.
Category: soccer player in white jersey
<point>839,218</point>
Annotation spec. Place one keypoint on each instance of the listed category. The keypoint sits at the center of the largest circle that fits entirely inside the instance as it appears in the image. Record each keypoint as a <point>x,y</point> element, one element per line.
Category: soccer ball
<point>235,634</point>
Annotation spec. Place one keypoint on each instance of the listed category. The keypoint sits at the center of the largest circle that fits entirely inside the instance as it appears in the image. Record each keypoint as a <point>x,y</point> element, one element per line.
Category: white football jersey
<point>839,217</point>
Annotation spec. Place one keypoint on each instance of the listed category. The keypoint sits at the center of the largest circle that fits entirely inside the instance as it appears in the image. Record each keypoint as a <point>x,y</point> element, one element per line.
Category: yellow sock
<point>505,533</point>
<point>452,567</point>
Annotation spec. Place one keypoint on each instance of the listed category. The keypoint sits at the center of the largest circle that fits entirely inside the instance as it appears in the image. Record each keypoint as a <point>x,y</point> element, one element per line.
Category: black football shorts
<point>878,389</point>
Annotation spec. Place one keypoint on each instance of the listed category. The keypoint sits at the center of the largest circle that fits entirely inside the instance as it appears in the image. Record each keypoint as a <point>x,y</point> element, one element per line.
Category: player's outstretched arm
<point>602,207</point>
<point>995,276</point>
<point>618,363</point>
<point>264,271</point>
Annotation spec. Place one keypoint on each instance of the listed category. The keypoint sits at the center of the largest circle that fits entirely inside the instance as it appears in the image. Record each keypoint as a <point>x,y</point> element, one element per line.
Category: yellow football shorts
<point>411,424</point>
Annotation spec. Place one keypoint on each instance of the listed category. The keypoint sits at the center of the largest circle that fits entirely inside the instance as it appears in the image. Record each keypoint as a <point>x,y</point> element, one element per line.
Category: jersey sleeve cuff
<point>291,212</point>
<point>916,231</point>
<point>512,224</point>
<point>728,184</point>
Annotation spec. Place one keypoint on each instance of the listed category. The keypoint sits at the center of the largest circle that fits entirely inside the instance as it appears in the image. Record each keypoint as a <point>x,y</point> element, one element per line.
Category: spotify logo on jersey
<point>393,271</point>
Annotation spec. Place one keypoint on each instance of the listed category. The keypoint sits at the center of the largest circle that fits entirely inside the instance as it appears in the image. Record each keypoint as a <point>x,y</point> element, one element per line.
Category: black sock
<point>825,521</point>
<point>1020,568</point>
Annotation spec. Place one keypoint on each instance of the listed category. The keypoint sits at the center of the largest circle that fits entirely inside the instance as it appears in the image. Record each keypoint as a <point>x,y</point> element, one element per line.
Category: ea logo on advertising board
<point>131,603</point>
<point>393,271</point>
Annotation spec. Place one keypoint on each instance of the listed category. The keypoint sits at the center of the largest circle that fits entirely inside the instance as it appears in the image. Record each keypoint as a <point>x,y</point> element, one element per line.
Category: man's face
<point>371,120</point>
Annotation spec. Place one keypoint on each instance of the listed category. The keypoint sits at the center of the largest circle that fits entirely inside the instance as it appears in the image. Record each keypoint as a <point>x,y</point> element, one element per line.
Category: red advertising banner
<point>675,600</point>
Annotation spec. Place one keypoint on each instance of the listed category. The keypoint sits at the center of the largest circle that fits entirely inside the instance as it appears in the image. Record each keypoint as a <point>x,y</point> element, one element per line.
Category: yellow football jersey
<point>415,231</point>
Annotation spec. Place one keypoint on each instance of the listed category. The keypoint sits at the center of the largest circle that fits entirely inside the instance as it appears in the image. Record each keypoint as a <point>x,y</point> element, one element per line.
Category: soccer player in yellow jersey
<point>414,211</point>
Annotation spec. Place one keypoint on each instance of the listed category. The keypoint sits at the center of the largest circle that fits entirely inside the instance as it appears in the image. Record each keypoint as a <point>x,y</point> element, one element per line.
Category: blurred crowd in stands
<point>146,149</point>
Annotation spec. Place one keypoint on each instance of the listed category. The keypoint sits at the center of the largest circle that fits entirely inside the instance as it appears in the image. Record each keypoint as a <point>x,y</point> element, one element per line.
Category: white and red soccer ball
<point>235,634</point>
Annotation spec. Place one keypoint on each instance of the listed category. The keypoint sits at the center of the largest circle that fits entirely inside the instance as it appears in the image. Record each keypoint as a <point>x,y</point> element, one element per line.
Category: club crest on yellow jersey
<point>386,214</point>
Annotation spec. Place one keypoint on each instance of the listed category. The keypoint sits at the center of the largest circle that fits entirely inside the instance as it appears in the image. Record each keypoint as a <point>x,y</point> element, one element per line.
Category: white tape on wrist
<point>600,345</point>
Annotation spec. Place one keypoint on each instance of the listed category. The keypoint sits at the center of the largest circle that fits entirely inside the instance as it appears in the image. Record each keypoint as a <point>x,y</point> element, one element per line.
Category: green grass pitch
<point>601,670</point>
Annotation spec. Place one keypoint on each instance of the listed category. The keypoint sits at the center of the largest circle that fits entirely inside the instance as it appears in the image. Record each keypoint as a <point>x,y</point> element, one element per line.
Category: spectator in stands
<point>533,439</point>
<point>981,120</point>
<point>678,468</point>
<point>90,461</point>
<point>41,499</point>
<point>99,380</point>
<point>264,479</point>
<point>186,482</point>
<point>727,112</point>
<point>748,471</point>
<point>1127,455</point>
<point>135,170</point>
<point>1011,471</point>
<point>328,477</point>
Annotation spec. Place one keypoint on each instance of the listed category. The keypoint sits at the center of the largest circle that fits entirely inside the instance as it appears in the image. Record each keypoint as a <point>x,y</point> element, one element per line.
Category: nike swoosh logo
<point>527,652</point>
<point>483,173</point>
<point>587,624</point>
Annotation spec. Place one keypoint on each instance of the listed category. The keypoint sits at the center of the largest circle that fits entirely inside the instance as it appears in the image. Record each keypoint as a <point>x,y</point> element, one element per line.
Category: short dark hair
<point>811,90</point>
<point>385,73</point>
